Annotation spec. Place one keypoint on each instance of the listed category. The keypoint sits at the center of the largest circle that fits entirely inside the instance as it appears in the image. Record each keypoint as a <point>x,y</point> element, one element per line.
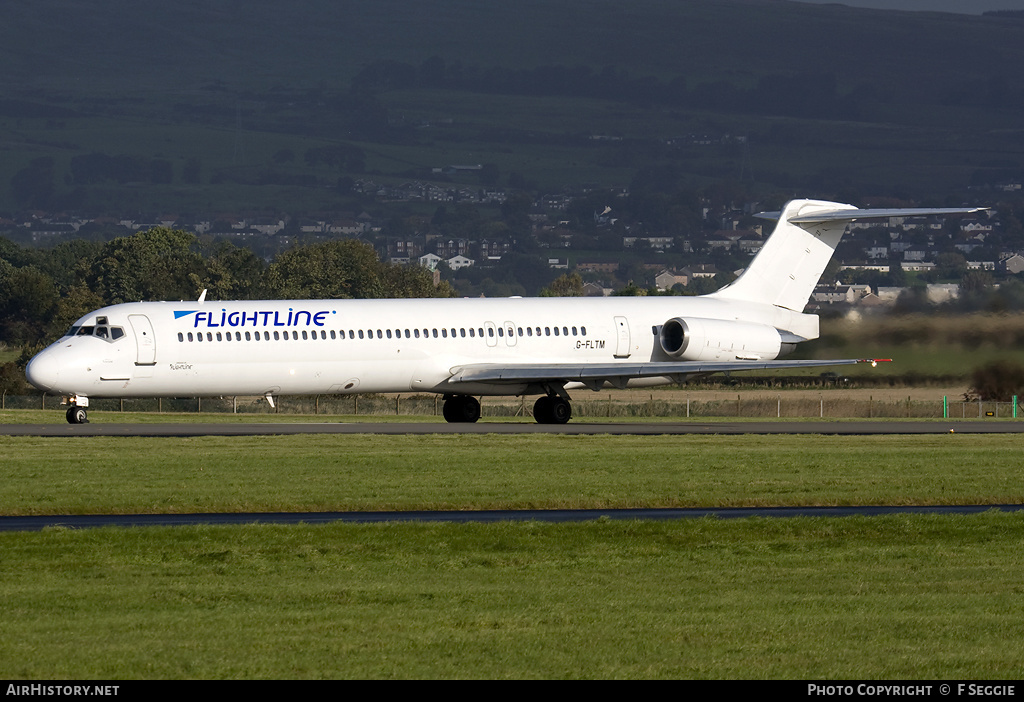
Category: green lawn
<point>897,597</point>
<point>921,597</point>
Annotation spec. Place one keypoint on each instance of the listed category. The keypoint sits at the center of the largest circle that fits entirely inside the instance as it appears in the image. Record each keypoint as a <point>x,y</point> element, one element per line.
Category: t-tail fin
<point>791,262</point>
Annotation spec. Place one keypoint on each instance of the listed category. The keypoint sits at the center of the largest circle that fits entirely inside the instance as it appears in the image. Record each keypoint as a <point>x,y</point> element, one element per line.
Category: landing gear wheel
<point>77,415</point>
<point>461,409</point>
<point>551,409</point>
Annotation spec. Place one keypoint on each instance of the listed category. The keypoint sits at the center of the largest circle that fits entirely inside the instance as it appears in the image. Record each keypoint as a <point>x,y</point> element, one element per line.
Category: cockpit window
<point>103,331</point>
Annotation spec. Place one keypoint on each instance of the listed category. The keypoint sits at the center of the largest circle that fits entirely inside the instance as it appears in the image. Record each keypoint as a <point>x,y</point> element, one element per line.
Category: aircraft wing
<point>594,374</point>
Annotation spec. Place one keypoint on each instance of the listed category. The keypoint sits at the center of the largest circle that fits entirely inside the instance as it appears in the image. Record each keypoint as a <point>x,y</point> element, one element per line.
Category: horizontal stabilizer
<point>847,215</point>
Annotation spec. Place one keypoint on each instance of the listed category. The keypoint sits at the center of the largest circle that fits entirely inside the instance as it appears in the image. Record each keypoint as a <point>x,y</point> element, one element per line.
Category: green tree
<point>565,285</point>
<point>27,299</point>
<point>346,269</point>
<point>158,264</point>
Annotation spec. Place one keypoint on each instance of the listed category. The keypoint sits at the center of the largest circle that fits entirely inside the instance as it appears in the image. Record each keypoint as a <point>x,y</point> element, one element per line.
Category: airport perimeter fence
<point>608,407</point>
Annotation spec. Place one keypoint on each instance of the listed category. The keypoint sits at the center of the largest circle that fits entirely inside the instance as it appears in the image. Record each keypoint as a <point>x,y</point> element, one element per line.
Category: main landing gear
<point>461,408</point>
<point>549,409</point>
<point>552,409</point>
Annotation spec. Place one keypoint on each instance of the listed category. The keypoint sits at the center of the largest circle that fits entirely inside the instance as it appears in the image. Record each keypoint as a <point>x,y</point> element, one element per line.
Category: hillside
<point>214,104</point>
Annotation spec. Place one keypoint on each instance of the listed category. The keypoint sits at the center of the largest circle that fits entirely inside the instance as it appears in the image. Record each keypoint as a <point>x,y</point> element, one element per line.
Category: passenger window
<point>277,336</point>
<point>574,331</point>
<point>583,331</point>
<point>209,336</point>
<point>248,337</point>
<point>547,331</point>
<point>305,337</point>
<point>444,333</point>
<point>490,332</point>
<point>416,333</point>
<point>219,337</point>
<point>181,337</point>
<point>501,331</point>
<point>435,333</point>
<point>565,331</point>
<point>190,336</point>
<point>360,333</point>
<point>529,331</point>
<point>556,331</point>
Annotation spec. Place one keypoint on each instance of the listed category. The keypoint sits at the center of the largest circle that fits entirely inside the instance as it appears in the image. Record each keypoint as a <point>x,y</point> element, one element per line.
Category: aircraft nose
<point>42,371</point>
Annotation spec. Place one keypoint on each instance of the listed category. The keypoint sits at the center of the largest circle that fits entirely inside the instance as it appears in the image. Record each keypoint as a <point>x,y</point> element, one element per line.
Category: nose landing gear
<point>77,415</point>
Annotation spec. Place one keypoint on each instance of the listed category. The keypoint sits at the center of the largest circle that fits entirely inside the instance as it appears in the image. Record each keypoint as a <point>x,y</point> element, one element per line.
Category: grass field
<point>856,598</point>
<point>885,597</point>
<point>364,472</point>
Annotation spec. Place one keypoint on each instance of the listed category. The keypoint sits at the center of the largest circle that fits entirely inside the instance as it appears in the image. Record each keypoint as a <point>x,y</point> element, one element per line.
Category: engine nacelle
<point>699,339</point>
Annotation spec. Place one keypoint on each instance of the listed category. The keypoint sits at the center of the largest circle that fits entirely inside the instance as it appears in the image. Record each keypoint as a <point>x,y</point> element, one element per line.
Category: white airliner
<point>461,348</point>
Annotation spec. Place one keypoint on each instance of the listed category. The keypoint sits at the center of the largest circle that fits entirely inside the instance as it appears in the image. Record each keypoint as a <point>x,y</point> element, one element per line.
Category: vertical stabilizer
<point>788,266</point>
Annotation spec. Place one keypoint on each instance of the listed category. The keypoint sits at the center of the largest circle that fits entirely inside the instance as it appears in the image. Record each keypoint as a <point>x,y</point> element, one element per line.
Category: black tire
<point>77,415</point>
<point>461,409</point>
<point>561,410</point>
<point>542,410</point>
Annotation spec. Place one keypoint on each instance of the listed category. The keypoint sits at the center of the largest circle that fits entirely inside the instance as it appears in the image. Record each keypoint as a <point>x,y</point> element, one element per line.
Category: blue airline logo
<point>275,318</point>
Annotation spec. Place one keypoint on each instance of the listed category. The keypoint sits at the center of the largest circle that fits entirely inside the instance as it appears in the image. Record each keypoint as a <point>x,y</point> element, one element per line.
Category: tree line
<point>43,291</point>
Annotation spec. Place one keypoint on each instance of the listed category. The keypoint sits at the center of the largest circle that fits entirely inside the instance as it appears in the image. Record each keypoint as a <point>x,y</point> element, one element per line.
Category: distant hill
<point>79,46</point>
<point>198,102</point>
